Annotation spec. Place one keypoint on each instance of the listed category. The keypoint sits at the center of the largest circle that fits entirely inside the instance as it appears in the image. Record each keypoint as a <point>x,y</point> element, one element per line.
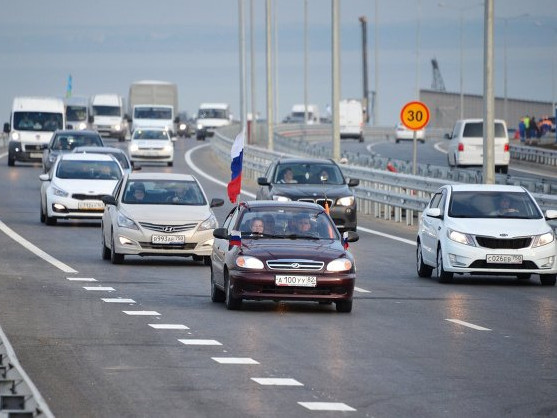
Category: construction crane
<point>437,83</point>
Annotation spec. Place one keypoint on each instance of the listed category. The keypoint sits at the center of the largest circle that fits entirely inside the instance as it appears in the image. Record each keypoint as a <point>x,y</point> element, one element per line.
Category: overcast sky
<point>107,44</point>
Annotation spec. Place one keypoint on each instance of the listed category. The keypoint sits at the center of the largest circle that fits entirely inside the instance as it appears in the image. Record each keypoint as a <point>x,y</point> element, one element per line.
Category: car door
<point>221,247</point>
<point>431,227</point>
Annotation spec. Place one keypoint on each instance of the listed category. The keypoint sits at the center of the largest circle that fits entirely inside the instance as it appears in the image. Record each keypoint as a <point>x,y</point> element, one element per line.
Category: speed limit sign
<point>414,115</point>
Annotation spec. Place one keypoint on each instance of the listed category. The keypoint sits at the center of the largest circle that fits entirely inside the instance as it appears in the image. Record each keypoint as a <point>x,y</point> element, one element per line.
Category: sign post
<point>415,116</point>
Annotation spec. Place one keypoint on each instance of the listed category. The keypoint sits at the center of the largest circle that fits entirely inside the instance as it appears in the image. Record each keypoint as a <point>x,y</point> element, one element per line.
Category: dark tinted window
<point>475,130</point>
<point>310,173</point>
<point>475,204</point>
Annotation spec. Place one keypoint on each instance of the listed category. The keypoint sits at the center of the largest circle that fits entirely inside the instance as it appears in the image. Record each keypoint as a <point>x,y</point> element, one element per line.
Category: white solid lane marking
<point>235,360</point>
<point>276,381</point>
<point>142,313</point>
<point>468,324</point>
<point>81,279</point>
<point>199,342</point>
<point>327,406</point>
<point>168,326</point>
<point>382,234</point>
<point>117,300</point>
<point>100,288</point>
<point>359,289</point>
<point>34,249</point>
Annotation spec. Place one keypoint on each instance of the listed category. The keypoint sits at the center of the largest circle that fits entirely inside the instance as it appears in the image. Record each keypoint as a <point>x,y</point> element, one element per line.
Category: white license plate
<point>91,205</point>
<point>504,258</point>
<point>36,155</point>
<point>167,239</point>
<point>288,280</point>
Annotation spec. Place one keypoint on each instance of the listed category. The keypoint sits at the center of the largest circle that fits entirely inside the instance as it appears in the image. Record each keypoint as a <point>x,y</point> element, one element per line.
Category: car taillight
<point>506,148</point>
<point>460,147</point>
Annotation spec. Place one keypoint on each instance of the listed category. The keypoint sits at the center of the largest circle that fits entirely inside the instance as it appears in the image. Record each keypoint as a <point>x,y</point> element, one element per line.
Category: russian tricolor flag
<point>237,154</point>
<point>236,238</point>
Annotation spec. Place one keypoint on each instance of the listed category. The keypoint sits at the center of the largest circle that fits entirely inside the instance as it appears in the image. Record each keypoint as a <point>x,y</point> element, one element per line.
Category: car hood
<point>293,248</point>
<point>504,228</point>
<point>107,120</point>
<point>311,190</point>
<point>150,143</point>
<point>165,213</point>
<point>88,187</point>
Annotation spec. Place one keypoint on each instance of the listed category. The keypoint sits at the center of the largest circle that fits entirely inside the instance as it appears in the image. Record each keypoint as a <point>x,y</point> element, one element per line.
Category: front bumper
<point>24,152</point>
<point>69,208</point>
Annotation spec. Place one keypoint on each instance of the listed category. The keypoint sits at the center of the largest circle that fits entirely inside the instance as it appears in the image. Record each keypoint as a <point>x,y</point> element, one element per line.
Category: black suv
<point>312,180</point>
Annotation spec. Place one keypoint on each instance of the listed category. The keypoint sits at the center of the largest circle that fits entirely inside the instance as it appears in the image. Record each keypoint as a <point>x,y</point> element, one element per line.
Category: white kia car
<point>158,214</point>
<point>73,188</point>
<point>151,145</point>
<point>486,230</point>
<point>402,133</point>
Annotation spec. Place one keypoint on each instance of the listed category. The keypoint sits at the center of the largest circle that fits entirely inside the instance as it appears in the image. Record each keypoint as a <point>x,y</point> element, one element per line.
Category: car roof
<point>486,187</point>
<point>161,176</point>
<point>80,156</point>
<point>76,132</point>
<point>98,149</point>
<point>275,204</point>
<point>305,160</point>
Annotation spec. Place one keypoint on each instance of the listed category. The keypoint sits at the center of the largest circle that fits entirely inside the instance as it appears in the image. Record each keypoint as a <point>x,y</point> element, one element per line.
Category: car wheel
<point>230,301</point>
<point>397,141</point>
<point>523,276</point>
<point>105,251</point>
<point>49,220</point>
<point>548,279</point>
<point>11,160</point>
<point>361,138</point>
<point>344,306</point>
<point>217,295</point>
<point>442,275</point>
<point>43,216</point>
<point>207,260</point>
<point>114,256</point>
<point>423,269</point>
<point>170,163</point>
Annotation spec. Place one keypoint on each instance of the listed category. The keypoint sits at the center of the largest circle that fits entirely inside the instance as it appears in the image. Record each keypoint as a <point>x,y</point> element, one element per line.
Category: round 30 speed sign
<point>414,115</point>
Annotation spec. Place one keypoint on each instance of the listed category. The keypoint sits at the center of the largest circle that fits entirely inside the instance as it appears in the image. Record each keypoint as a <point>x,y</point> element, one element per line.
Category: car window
<point>434,202</point>
<point>468,204</point>
<point>310,173</point>
<point>164,192</point>
<point>150,134</point>
<point>88,170</point>
<point>67,142</point>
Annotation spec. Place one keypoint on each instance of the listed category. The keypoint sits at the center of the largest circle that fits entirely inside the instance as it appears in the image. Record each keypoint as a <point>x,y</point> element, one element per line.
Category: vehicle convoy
<point>77,113</point>
<point>211,116</point>
<point>154,104</point>
<point>467,140</point>
<point>269,250</point>
<point>312,180</point>
<point>486,229</point>
<point>64,141</point>
<point>32,122</point>
<point>109,117</point>
<point>298,114</point>
<point>351,119</point>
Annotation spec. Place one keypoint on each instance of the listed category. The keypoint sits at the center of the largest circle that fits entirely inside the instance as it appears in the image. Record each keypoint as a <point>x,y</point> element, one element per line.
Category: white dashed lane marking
<point>327,406</point>
<point>359,289</point>
<point>276,381</point>
<point>117,300</point>
<point>199,342</point>
<point>142,313</point>
<point>81,279</point>
<point>235,360</point>
<point>168,326</point>
<point>468,324</point>
<point>100,288</point>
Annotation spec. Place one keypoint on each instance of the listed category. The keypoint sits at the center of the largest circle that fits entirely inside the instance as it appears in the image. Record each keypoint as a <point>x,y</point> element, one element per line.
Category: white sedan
<point>75,185</point>
<point>486,230</point>
<point>402,133</point>
<point>158,214</point>
<point>151,145</point>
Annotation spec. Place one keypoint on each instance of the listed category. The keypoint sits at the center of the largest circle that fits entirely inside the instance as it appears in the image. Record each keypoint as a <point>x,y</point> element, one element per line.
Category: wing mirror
<point>215,202</point>
<point>262,181</point>
<point>220,233</point>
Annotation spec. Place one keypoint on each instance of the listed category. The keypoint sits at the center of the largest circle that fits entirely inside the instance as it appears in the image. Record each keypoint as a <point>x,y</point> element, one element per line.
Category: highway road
<point>143,339</point>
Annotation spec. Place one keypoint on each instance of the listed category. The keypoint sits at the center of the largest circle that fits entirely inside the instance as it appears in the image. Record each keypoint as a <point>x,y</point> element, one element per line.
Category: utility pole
<point>269,61</point>
<point>335,13</point>
<point>365,101</point>
<point>489,100</point>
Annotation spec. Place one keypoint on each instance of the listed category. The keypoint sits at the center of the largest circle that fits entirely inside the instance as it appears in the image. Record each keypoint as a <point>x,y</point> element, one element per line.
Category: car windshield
<point>76,113</point>
<point>212,114</point>
<point>106,111</point>
<point>67,142</point>
<point>477,204</point>
<point>38,121</point>
<point>152,113</point>
<point>150,134</point>
<point>88,170</point>
<point>163,192</point>
<point>308,173</point>
<point>295,223</point>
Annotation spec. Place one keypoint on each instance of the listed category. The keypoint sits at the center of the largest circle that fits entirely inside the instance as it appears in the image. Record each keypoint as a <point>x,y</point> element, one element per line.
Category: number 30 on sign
<point>414,115</point>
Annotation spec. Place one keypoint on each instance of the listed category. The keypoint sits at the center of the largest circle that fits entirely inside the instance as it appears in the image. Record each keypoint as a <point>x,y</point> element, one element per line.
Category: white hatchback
<point>402,133</point>
<point>486,230</point>
<point>151,145</point>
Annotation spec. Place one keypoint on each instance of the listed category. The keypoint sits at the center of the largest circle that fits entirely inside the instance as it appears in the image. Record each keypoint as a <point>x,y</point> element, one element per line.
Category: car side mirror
<point>215,202</point>
<point>448,136</point>
<point>262,181</point>
<point>433,212</point>
<point>109,200</point>
<point>6,128</point>
<point>177,119</point>
<point>353,182</point>
<point>220,233</point>
<point>350,236</point>
<point>91,119</point>
<point>550,214</point>
<point>44,177</point>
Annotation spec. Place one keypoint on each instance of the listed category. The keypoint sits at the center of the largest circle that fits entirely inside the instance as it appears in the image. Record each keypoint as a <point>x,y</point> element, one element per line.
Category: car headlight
<point>340,264</point>
<point>281,198</point>
<point>168,148</point>
<point>133,147</point>
<point>543,239</point>
<point>82,126</point>
<point>125,222</point>
<point>346,201</point>
<point>56,191</point>
<point>247,262</point>
<point>209,223</point>
<point>199,126</point>
<point>15,136</point>
<point>460,237</point>
<point>183,127</point>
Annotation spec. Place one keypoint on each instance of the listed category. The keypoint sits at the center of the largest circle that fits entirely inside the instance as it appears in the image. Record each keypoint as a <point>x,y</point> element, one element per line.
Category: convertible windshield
<point>474,204</point>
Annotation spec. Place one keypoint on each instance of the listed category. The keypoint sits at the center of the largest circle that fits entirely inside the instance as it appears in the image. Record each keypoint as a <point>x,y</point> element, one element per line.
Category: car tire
<point>43,216</point>
<point>232,303</point>
<point>217,295</point>
<point>442,275</point>
<point>50,220</point>
<point>206,260</point>
<point>548,279</point>
<point>11,160</point>
<point>344,306</point>
<point>115,258</point>
<point>361,138</point>
<point>170,164</point>
<point>397,141</point>
<point>523,276</point>
<point>423,269</point>
<point>105,251</point>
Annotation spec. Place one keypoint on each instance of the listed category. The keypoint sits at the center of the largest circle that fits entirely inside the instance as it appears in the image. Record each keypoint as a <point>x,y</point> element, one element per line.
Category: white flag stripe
<point>100,288</point>
<point>117,300</point>
<point>468,324</point>
<point>276,381</point>
<point>168,326</point>
<point>81,279</point>
<point>327,406</point>
<point>199,342</point>
<point>235,360</point>
<point>146,313</point>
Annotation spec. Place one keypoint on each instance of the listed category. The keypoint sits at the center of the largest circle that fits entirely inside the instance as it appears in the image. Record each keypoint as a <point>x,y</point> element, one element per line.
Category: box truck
<point>32,122</point>
<point>109,117</point>
<point>154,104</point>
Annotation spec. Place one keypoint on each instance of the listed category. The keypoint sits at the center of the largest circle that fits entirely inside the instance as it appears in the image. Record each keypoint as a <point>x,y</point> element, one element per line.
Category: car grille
<point>510,243</point>
<point>168,229</point>
<point>295,265</point>
<point>36,147</point>
<point>169,247</point>
<point>320,201</point>
<point>81,196</point>
<point>482,264</point>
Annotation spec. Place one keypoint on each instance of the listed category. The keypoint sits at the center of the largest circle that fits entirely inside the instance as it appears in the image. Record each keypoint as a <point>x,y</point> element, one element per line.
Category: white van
<point>298,114</point>
<point>351,119</point>
<point>77,113</point>
<point>466,146</point>
<point>108,116</point>
<point>32,122</point>
<point>211,116</point>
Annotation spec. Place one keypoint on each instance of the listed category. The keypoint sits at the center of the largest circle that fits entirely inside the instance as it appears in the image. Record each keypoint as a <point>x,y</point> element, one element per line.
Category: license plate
<point>91,205</point>
<point>36,155</point>
<point>288,280</point>
<point>167,239</point>
<point>504,259</point>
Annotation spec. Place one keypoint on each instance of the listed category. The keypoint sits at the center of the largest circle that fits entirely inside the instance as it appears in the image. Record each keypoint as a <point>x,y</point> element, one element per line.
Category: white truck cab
<point>109,118</point>
<point>211,116</point>
<point>32,122</point>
